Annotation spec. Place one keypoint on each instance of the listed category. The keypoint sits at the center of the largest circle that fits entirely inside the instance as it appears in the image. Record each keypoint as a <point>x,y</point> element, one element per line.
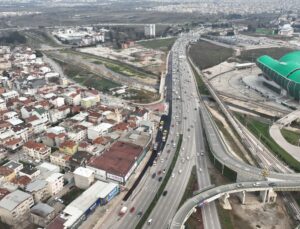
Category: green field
<point>291,136</point>
<point>114,65</point>
<point>264,31</point>
<point>141,96</point>
<point>86,78</point>
<point>261,131</point>
<point>205,54</point>
<point>161,44</point>
<point>253,54</point>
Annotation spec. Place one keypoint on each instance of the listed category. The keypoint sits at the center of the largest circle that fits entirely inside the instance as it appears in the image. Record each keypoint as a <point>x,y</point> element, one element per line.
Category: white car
<point>200,169</point>
<point>179,171</point>
<point>173,175</point>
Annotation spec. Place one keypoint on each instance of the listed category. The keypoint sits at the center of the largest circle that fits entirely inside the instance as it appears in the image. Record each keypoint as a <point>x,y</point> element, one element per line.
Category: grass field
<point>114,65</point>
<point>291,136</point>
<point>261,131</point>
<point>141,96</point>
<point>86,78</point>
<point>252,55</point>
<point>161,44</point>
<point>205,54</point>
<point>264,31</point>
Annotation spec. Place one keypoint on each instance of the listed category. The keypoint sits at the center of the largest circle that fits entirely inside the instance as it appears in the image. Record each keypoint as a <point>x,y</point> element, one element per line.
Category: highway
<point>148,186</point>
<point>185,119</point>
<point>192,147</point>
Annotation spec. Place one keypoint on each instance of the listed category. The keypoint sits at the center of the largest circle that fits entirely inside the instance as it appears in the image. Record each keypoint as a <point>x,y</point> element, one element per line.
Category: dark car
<point>165,193</point>
<point>153,175</point>
<point>159,179</point>
<point>132,209</point>
<point>272,184</point>
<point>140,213</point>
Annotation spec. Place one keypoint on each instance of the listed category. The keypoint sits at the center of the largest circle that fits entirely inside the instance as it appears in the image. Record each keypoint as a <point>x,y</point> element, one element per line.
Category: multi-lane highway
<point>184,119</point>
<point>192,151</point>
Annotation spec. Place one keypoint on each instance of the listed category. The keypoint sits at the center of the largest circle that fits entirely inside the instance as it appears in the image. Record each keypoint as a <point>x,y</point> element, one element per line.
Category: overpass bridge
<point>224,191</point>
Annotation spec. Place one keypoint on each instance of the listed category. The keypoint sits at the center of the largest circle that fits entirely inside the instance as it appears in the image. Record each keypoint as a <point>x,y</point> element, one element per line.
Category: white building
<point>9,95</point>
<point>55,183</point>
<point>150,30</point>
<point>96,131</point>
<point>286,30</point>
<point>84,177</point>
<point>15,206</point>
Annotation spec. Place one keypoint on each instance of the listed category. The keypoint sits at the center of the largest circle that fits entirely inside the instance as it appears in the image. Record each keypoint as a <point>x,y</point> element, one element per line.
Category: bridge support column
<point>224,202</point>
<point>268,196</point>
<point>242,196</point>
<point>263,196</point>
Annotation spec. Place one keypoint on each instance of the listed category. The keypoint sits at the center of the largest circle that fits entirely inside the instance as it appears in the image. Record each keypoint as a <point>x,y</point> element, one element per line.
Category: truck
<point>123,211</point>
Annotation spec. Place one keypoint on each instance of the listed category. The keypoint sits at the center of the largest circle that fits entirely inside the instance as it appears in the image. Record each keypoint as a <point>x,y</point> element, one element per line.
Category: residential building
<point>38,189</point>
<point>149,30</point>
<point>41,214</point>
<point>15,206</point>
<point>55,183</point>
<point>36,150</point>
<point>7,174</point>
<point>68,147</point>
<point>60,159</point>
<point>83,177</point>
<point>96,131</point>
<point>16,166</point>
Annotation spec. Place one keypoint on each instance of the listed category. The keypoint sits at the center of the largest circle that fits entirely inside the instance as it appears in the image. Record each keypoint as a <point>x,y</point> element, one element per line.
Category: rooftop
<point>12,200</point>
<point>119,159</point>
<point>287,66</point>
<point>42,210</point>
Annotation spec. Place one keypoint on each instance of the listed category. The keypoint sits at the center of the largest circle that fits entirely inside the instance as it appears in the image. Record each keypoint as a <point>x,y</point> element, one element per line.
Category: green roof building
<point>285,72</point>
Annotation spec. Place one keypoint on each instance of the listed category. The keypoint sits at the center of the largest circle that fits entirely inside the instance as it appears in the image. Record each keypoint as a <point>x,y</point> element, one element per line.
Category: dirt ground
<point>258,215</point>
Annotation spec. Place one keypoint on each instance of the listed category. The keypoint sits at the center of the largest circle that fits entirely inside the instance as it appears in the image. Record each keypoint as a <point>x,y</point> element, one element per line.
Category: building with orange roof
<point>7,174</point>
<point>38,151</point>
<point>60,159</point>
<point>68,147</point>
<point>117,163</point>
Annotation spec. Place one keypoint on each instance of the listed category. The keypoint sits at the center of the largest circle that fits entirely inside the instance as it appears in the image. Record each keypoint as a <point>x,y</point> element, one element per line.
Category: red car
<point>159,172</point>
<point>168,151</point>
<point>132,209</point>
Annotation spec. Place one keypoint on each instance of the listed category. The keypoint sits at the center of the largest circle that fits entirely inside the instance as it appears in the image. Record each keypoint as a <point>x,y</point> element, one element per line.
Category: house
<point>15,206</point>
<point>36,150</point>
<point>60,159</point>
<point>55,183</point>
<point>69,147</point>
<point>88,102</point>
<point>7,174</point>
<point>16,166</point>
<point>38,189</point>
<point>41,214</point>
<point>14,144</point>
<point>72,98</point>
<point>96,131</point>
<point>53,140</point>
<point>30,172</point>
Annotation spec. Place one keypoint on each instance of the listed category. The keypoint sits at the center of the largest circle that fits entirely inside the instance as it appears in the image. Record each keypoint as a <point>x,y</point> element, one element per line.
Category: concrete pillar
<point>271,196</point>
<point>242,196</point>
<point>263,195</point>
<point>224,202</point>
